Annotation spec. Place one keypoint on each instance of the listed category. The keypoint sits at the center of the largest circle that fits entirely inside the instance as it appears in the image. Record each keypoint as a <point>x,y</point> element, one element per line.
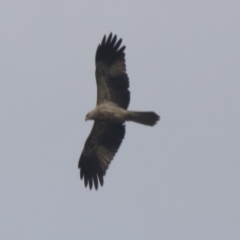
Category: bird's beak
<point>86,118</point>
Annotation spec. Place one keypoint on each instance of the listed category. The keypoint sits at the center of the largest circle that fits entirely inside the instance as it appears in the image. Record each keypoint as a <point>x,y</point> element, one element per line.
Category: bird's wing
<point>100,148</point>
<point>111,76</point>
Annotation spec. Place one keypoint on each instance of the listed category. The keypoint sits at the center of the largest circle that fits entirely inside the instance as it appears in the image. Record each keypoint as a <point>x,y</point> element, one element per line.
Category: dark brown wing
<point>99,150</point>
<point>111,76</point>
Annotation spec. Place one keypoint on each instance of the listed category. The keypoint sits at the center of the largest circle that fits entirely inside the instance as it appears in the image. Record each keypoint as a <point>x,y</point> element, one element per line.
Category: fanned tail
<point>146,118</point>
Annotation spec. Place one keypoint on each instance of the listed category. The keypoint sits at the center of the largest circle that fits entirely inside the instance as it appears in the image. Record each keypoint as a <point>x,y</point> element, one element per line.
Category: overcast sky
<point>180,179</point>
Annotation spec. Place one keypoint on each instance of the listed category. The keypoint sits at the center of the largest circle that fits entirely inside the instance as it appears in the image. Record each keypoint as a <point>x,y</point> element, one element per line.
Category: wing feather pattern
<point>99,150</point>
<point>111,77</point>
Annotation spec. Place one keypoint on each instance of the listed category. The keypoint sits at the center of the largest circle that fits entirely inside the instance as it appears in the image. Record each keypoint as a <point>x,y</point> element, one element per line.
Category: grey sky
<point>177,180</point>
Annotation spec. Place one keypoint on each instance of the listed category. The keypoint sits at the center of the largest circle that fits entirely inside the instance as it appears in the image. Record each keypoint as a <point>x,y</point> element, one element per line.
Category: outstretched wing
<point>111,76</point>
<point>99,150</point>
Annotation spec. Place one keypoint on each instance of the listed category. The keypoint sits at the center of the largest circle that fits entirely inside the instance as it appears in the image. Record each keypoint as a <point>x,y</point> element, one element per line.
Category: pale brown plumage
<point>111,112</point>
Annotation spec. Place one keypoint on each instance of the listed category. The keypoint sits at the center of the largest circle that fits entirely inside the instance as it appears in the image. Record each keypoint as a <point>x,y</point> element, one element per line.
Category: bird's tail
<point>146,118</point>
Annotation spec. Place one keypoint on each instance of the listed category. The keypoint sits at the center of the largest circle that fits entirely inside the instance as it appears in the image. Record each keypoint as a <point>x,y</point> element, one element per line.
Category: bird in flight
<point>111,112</point>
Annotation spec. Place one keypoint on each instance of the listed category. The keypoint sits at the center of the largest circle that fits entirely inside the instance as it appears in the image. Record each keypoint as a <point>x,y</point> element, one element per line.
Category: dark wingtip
<point>90,172</point>
<point>100,177</point>
<point>103,40</point>
<point>109,38</point>
<point>108,51</point>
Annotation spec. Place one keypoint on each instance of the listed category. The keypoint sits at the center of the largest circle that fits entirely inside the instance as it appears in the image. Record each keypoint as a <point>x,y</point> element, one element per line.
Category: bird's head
<point>90,115</point>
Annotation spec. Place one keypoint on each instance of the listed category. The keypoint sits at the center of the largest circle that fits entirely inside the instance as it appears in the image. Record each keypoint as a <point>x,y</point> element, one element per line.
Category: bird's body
<point>111,112</point>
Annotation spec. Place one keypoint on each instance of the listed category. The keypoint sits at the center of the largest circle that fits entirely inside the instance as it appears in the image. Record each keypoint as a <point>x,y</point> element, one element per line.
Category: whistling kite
<point>110,113</point>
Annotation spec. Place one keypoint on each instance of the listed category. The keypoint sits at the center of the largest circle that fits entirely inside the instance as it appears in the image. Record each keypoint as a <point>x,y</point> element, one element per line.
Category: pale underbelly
<point>112,114</point>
